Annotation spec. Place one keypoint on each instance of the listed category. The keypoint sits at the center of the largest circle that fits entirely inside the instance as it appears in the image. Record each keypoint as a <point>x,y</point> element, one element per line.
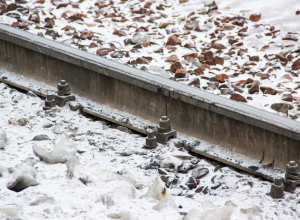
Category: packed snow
<point>58,164</point>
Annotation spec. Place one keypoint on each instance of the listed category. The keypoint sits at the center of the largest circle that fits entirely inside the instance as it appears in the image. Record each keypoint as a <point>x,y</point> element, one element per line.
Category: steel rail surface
<point>191,110</point>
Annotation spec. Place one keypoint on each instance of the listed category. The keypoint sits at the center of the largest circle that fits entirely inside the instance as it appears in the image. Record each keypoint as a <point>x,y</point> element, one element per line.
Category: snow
<point>108,175</point>
<point>211,212</point>
<point>115,182</point>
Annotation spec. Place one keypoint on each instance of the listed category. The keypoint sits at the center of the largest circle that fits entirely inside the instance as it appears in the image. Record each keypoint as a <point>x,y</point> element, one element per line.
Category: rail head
<point>175,90</point>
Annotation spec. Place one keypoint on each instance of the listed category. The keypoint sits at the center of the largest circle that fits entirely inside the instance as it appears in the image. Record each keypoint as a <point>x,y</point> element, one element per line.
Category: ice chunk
<point>251,212</point>
<point>23,176</point>
<point>120,195</point>
<point>62,149</point>
<point>3,138</point>
<point>212,213</point>
<point>11,210</point>
<point>56,129</point>
<point>158,70</point>
<point>71,162</point>
<point>89,174</point>
<point>3,135</point>
<point>43,199</point>
<point>158,191</point>
<point>140,39</point>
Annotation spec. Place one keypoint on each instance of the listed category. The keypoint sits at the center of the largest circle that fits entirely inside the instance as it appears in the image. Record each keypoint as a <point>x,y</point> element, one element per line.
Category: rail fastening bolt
<point>50,97</point>
<point>292,168</point>
<point>277,188</point>
<point>165,123</point>
<point>278,181</point>
<point>151,141</point>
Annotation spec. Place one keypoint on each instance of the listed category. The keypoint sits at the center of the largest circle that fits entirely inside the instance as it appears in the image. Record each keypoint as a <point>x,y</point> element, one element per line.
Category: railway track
<point>239,135</point>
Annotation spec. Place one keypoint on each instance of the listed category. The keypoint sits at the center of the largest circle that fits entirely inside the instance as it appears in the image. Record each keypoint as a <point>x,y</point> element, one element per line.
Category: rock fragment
<point>201,57</point>
<point>41,137</point>
<point>209,56</point>
<point>287,98</point>
<point>255,17</point>
<point>119,33</point>
<point>104,51</point>
<point>190,57</point>
<point>212,6</point>
<point>281,107</point>
<point>175,66</point>
<point>221,77</point>
<point>199,71</point>
<point>254,58</point>
<point>219,60</point>
<point>237,97</point>
<point>142,60</point>
<point>218,46</point>
<point>173,40</point>
<point>296,65</point>
<point>180,73</point>
<point>34,17</point>
<point>192,183</point>
<point>254,89</point>
<point>282,58</point>
<point>226,91</point>
<point>290,37</point>
<point>199,172</point>
<point>268,90</point>
<point>173,58</point>
<point>195,82</point>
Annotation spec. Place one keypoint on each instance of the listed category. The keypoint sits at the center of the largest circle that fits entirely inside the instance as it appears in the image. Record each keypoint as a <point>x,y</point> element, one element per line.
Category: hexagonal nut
<point>63,86</point>
<point>164,122</point>
<point>292,168</point>
<point>278,181</point>
<point>50,97</point>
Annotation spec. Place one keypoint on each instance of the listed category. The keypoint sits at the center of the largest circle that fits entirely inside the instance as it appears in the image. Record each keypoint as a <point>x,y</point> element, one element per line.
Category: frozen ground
<point>107,174</point>
<point>136,33</point>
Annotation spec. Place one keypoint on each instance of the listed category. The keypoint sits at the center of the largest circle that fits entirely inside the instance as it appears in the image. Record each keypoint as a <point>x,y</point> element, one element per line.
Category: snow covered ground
<point>260,57</point>
<point>108,175</point>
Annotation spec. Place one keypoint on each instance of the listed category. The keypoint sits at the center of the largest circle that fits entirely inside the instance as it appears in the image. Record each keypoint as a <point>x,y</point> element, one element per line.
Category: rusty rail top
<point>156,84</point>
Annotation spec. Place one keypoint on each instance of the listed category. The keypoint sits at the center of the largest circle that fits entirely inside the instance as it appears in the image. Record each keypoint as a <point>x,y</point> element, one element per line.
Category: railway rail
<point>268,140</point>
